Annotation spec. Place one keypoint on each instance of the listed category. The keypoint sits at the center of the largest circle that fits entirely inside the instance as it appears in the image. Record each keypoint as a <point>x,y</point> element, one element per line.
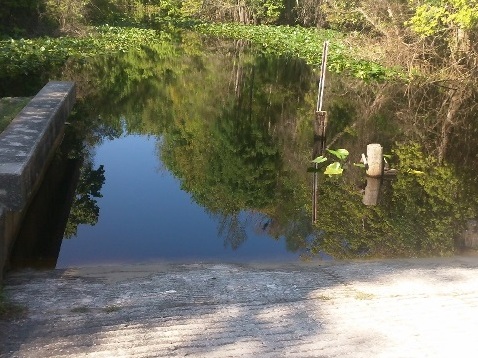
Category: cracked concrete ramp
<point>397,308</point>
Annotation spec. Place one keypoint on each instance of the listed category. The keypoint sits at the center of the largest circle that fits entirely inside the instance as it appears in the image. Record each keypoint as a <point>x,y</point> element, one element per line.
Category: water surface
<point>145,216</point>
<point>200,151</point>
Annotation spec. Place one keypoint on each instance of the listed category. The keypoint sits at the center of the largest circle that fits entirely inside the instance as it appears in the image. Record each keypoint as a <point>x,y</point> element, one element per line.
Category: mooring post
<point>320,124</point>
<point>374,160</point>
<point>370,196</point>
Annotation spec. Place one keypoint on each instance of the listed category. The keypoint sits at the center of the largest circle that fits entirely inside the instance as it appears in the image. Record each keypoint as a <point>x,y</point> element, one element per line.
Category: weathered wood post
<point>374,160</point>
<point>320,124</point>
<point>372,190</point>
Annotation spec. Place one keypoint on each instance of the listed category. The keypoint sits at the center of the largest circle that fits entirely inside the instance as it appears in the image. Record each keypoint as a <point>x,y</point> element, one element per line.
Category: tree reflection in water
<point>236,130</point>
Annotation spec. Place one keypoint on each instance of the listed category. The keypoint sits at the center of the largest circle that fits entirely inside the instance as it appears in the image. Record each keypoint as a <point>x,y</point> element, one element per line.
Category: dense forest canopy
<point>417,35</point>
<point>446,18</point>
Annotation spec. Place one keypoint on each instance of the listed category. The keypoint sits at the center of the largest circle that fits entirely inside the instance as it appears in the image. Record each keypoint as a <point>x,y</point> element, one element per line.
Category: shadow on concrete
<point>208,310</point>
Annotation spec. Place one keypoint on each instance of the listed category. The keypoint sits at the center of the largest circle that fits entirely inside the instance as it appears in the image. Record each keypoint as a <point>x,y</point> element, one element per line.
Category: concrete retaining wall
<point>26,148</point>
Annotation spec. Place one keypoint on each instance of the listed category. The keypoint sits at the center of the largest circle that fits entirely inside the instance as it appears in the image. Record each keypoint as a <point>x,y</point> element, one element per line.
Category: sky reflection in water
<point>145,216</point>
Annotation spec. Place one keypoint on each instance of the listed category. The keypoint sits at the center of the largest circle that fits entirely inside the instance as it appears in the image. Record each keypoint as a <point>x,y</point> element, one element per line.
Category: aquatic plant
<point>305,43</point>
<point>336,167</point>
<point>29,55</point>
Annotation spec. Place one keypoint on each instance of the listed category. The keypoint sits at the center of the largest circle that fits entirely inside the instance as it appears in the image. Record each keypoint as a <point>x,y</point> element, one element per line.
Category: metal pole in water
<point>323,67</point>
<point>320,125</point>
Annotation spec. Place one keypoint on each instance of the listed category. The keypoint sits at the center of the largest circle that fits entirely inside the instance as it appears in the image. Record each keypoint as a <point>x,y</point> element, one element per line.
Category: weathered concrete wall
<point>9,226</point>
<point>26,145</point>
<point>26,148</point>
<point>38,242</point>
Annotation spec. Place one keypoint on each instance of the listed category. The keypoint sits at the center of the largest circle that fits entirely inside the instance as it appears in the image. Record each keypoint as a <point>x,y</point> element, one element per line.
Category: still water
<point>144,216</point>
<point>201,151</point>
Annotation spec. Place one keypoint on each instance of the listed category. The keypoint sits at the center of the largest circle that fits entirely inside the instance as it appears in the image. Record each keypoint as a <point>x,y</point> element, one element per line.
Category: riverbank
<point>389,308</point>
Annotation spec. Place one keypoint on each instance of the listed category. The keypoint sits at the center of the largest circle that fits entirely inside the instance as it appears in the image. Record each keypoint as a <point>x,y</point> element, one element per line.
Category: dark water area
<point>201,151</point>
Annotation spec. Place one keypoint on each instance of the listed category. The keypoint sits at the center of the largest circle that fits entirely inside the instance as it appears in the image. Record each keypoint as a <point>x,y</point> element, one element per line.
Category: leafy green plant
<point>30,55</point>
<point>319,159</point>
<point>434,16</point>
<point>305,44</point>
<point>341,154</point>
<point>336,167</point>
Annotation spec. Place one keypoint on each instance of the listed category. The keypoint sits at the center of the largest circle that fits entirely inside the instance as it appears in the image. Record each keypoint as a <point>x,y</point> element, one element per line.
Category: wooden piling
<point>374,160</point>
<point>320,124</point>
<point>372,190</point>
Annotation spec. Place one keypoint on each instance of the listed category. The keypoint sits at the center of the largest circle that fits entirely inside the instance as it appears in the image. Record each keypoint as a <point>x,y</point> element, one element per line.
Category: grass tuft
<point>10,310</point>
<point>111,309</point>
<point>9,108</point>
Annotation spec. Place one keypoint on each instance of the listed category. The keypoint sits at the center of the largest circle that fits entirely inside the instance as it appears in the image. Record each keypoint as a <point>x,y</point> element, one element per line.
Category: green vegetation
<point>370,40</point>
<point>434,17</point>
<point>9,108</point>
<point>249,154</point>
<point>242,141</point>
<point>334,168</point>
<point>418,215</point>
<point>32,55</point>
<point>305,44</point>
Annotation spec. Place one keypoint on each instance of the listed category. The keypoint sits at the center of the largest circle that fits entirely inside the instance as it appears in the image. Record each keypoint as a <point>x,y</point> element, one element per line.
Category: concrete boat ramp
<point>391,308</point>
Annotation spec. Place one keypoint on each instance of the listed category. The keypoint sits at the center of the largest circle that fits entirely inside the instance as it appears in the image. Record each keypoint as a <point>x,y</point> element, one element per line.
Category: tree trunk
<point>450,120</point>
